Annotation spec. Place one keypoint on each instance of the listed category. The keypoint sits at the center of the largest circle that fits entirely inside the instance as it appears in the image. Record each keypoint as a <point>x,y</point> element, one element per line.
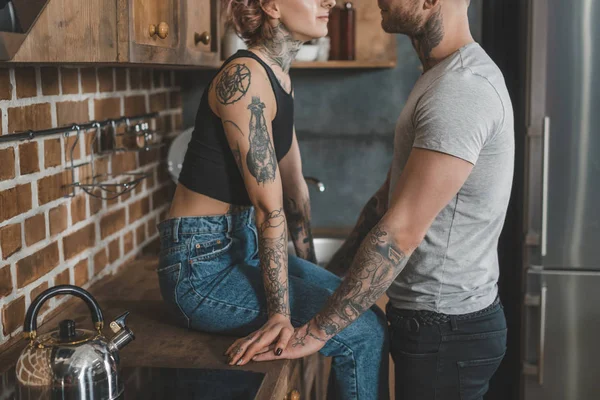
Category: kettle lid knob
<point>66,330</point>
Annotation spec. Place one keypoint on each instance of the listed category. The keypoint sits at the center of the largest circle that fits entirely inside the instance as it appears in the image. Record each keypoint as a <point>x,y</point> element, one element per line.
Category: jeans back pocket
<point>475,375</point>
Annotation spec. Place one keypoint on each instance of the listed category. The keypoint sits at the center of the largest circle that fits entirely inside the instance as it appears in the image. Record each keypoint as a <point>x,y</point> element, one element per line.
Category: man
<point>429,236</point>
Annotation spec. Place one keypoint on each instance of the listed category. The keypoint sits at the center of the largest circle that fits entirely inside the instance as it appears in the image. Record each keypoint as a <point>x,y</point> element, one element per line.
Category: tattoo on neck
<point>377,263</point>
<point>428,38</point>
<point>282,48</point>
<point>233,83</point>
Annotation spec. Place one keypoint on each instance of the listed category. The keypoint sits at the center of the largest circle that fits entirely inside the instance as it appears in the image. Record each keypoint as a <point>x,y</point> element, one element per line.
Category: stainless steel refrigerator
<point>561,306</point>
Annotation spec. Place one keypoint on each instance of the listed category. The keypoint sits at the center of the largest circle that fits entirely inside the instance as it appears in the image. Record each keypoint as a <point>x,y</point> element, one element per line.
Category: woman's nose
<point>328,3</point>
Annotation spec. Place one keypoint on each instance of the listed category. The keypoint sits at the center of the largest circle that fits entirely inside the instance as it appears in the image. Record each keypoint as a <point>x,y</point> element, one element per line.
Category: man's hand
<point>305,341</point>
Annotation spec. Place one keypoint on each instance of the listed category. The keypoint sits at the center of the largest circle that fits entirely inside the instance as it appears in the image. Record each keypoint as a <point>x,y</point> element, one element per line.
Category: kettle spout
<point>123,335</point>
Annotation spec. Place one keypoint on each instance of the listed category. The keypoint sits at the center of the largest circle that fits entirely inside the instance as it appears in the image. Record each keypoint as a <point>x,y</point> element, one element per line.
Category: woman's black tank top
<point>209,166</point>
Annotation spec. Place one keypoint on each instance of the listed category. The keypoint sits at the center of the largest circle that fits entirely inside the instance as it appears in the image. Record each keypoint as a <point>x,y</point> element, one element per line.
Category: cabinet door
<point>201,30</point>
<point>154,27</point>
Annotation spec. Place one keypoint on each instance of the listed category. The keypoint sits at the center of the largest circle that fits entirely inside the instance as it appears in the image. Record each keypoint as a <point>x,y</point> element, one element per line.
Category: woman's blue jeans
<point>210,277</point>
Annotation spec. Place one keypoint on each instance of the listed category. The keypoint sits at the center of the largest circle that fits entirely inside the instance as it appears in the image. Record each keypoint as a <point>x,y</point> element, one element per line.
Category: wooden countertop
<point>159,342</point>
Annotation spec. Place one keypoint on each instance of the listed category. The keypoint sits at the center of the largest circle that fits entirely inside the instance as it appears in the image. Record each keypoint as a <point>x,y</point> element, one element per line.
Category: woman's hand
<point>278,326</point>
<point>305,341</point>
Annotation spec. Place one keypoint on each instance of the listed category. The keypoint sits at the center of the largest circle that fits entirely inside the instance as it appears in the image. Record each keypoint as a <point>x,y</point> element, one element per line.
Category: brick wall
<point>46,238</point>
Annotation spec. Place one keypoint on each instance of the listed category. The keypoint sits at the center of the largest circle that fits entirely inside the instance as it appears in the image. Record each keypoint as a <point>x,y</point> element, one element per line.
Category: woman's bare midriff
<point>187,203</point>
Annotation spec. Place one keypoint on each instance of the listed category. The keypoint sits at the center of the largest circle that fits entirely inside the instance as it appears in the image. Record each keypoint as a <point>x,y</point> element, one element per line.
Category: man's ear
<point>271,8</point>
<point>430,4</point>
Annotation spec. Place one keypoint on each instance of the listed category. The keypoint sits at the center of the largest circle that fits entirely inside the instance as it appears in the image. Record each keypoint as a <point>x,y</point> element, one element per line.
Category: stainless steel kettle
<point>71,363</point>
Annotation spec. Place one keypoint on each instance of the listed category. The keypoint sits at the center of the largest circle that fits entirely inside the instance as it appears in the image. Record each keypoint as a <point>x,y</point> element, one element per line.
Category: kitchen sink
<point>325,248</point>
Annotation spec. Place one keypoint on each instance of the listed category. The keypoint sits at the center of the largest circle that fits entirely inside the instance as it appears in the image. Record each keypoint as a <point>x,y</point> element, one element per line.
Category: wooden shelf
<point>358,64</point>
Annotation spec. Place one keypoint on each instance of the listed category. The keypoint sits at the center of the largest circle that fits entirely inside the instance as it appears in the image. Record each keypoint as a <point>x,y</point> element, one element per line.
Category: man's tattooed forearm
<point>369,217</point>
<point>377,263</point>
<point>233,83</point>
<point>429,37</point>
<point>261,160</point>
<point>298,218</point>
<point>300,335</point>
<point>273,262</point>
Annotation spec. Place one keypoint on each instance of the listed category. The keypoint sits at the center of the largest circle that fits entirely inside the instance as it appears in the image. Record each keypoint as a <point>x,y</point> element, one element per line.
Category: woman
<point>224,266</point>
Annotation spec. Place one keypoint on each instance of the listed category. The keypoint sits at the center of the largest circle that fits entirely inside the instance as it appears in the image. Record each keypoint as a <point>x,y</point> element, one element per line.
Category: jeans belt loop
<point>175,230</point>
<point>453,323</point>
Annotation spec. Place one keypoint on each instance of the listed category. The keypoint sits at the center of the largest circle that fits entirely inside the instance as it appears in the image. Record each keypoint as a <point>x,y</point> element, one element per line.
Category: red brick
<point>88,80</point>
<point>52,153</point>
<point>7,164</point>
<point>167,77</point>
<point>100,261</point>
<point>146,79</point>
<point>58,219</point>
<point>114,251</point>
<point>150,182</point>
<point>28,157</point>
<point>64,278</point>
<point>5,85</point>
<point>70,112</point>
<point>135,105</point>
<point>158,102</point>
<point>13,315</point>
<point>121,78</point>
<point>107,108</point>
<point>53,187</point>
<point>157,78</point>
<point>112,222</point>
<point>6,286</point>
<point>152,230</point>
<point>177,122</point>
<point>10,239</point>
<point>135,79</point>
<point>123,162</point>
<point>140,235</point>
<point>105,79</point>
<point>30,269</point>
<point>128,242</point>
<point>35,229</point>
<point>70,80</point>
<point>81,273</point>
<point>36,292</point>
<point>175,99</point>
<point>25,80</point>
<point>95,203</point>
<point>50,82</point>
<point>78,208</point>
<point>34,117</point>
<point>139,209</point>
<point>15,201</point>
<point>161,197</point>
<point>79,241</point>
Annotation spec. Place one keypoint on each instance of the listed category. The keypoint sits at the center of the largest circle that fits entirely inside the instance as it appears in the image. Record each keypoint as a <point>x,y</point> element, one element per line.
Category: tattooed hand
<point>304,342</point>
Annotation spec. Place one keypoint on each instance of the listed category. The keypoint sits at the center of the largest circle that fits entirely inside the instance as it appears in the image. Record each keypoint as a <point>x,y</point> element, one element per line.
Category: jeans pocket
<point>475,375</point>
<point>415,375</point>
<point>206,247</point>
<point>168,279</point>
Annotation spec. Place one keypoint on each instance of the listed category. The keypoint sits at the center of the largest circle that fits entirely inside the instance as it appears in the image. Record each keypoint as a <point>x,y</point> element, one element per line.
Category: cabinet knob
<point>293,395</point>
<point>162,30</point>
<point>203,37</point>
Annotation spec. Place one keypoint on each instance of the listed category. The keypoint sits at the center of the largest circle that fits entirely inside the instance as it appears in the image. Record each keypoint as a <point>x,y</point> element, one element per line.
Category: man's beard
<point>403,22</point>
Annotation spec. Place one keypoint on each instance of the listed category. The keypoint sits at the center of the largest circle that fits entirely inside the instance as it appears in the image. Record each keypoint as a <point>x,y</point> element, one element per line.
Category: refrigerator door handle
<point>545,170</point>
<point>538,301</point>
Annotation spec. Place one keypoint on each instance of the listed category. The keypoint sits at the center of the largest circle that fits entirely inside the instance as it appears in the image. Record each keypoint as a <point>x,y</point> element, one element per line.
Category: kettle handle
<point>30,325</point>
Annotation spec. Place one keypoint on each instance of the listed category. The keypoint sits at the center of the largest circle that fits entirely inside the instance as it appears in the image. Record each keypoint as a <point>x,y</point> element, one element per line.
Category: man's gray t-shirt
<point>460,107</point>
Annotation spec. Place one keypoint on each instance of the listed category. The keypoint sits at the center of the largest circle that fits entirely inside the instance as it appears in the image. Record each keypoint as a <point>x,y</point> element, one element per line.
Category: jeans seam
<point>350,353</point>
<point>177,297</point>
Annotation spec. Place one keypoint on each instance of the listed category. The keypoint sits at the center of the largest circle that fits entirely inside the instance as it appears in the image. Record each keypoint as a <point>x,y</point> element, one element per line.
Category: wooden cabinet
<point>152,32</point>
